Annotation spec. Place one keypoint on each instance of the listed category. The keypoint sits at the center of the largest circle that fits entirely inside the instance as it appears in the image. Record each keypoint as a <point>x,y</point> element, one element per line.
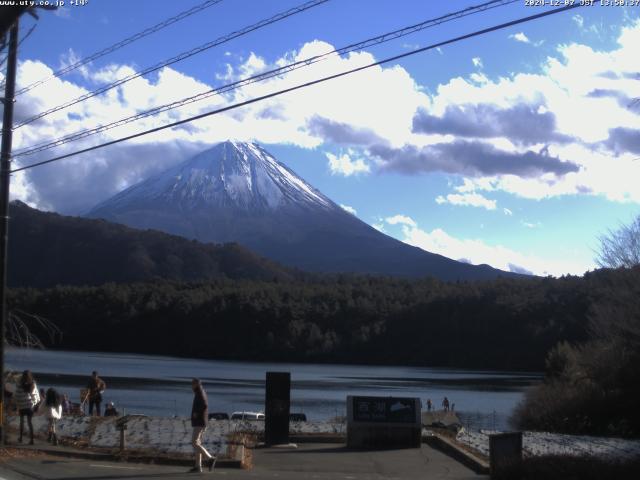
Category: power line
<point>122,43</point>
<point>182,56</point>
<point>304,85</point>
<point>264,76</point>
<point>26,35</point>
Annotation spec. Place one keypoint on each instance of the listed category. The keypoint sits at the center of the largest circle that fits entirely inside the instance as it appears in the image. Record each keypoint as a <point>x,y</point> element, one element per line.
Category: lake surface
<point>157,385</point>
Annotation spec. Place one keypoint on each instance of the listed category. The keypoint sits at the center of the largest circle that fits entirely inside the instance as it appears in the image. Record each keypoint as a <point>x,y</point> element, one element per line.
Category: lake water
<point>156,385</point>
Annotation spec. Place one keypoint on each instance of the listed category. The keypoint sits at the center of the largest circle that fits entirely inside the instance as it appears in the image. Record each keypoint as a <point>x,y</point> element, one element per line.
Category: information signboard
<point>384,409</point>
<point>383,422</point>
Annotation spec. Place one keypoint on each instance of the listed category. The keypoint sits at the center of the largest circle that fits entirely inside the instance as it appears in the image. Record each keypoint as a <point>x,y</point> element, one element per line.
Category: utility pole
<point>5,168</point>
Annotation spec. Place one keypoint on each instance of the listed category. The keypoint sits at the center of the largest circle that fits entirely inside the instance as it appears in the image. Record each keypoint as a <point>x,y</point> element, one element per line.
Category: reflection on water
<point>157,385</point>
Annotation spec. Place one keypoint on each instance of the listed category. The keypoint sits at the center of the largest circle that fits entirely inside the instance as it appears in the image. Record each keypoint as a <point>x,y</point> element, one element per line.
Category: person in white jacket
<point>53,412</point>
<point>27,397</point>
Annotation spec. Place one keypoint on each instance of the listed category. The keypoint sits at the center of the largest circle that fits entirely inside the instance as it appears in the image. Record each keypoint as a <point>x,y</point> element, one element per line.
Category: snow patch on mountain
<point>238,174</point>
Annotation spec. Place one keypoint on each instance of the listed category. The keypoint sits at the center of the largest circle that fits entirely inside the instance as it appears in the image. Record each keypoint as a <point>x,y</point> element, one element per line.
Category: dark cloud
<point>616,75</point>
<point>521,124</point>
<point>275,112</point>
<point>341,133</point>
<point>622,140</point>
<point>25,110</point>
<point>74,185</point>
<point>622,99</point>
<point>472,159</point>
<point>610,75</point>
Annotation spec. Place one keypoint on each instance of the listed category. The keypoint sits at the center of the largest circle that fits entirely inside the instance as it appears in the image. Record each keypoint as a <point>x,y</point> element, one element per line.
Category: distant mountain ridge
<point>47,249</point>
<point>239,192</point>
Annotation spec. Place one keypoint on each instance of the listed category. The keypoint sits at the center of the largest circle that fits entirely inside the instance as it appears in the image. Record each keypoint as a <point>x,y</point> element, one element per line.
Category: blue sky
<point>517,148</point>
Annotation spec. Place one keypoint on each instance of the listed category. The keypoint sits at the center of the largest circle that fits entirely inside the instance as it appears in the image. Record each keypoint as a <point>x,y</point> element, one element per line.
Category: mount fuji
<point>238,192</point>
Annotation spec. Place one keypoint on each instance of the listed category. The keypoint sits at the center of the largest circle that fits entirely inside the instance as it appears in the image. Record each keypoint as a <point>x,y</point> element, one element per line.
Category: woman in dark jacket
<point>199,419</point>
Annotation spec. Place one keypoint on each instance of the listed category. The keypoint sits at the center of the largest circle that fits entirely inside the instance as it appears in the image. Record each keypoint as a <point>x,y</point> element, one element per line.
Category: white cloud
<point>478,252</point>
<point>63,12</point>
<point>378,224</point>
<point>601,173</point>
<point>477,62</point>
<point>401,220</point>
<point>520,37</point>
<point>285,120</point>
<point>594,29</point>
<point>579,20</point>
<point>571,85</point>
<point>76,184</point>
<point>252,66</point>
<point>467,199</point>
<point>228,75</point>
<point>349,209</point>
<point>344,165</point>
<point>71,58</point>
<point>479,78</point>
<point>531,225</point>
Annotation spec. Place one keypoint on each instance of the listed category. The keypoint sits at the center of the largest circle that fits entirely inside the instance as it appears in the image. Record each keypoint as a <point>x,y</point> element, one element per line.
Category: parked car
<point>219,416</point>
<point>247,416</point>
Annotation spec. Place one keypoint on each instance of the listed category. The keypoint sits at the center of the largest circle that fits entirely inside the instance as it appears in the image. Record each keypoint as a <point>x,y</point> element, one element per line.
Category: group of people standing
<point>30,401</point>
<point>446,406</point>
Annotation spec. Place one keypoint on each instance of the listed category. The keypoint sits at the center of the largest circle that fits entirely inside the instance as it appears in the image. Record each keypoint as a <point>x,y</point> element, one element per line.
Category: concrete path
<point>310,461</point>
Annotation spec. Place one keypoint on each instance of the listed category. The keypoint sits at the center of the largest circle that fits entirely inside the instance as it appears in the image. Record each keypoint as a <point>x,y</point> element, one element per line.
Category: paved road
<point>312,461</point>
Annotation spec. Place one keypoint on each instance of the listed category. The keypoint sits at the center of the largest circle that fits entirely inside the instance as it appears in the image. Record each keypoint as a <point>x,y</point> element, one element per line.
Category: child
<point>53,413</point>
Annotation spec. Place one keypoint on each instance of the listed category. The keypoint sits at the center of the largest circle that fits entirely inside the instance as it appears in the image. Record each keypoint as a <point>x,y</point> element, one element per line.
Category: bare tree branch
<point>22,327</point>
<point>620,248</point>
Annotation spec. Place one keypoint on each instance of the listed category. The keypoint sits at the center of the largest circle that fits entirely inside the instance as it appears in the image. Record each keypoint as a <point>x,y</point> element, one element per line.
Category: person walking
<point>53,413</point>
<point>27,397</point>
<point>96,388</point>
<point>445,404</point>
<point>199,420</point>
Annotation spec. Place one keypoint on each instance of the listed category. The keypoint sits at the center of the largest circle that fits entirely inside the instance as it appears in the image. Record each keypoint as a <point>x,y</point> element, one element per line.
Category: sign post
<point>277,405</point>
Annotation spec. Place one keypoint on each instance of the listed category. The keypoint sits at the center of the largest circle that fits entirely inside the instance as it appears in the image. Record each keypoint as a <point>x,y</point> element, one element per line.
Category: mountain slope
<point>239,192</point>
<point>46,249</point>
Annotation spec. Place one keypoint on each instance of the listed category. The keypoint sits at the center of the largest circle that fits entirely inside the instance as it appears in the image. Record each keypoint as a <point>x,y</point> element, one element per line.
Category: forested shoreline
<point>507,324</point>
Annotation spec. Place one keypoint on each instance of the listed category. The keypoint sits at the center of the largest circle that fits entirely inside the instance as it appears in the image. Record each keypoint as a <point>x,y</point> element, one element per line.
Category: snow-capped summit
<point>238,192</point>
<point>233,174</point>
